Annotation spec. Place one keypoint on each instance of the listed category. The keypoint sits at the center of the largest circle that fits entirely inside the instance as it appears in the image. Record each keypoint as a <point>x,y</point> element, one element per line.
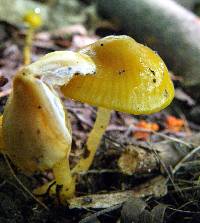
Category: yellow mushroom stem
<point>63,185</point>
<point>1,135</point>
<point>28,45</point>
<point>33,20</point>
<point>101,123</point>
<point>62,173</point>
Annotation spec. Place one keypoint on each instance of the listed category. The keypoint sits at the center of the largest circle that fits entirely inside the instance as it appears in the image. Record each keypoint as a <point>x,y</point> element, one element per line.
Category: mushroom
<point>33,20</point>
<point>36,130</point>
<point>2,146</point>
<point>130,78</point>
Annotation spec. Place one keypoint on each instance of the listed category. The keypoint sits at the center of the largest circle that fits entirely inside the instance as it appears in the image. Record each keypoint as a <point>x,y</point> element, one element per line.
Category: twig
<point>186,189</point>
<point>83,120</point>
<point>117,144</point>
<point>182,211</point>
<point>22,185</point>
<point>100,171</point>
<point>167,171</point>
<point>179,164</point>
<point>164,136</point>
<point>173,139</point>
<point>93,216</point>
<point>194,164</point>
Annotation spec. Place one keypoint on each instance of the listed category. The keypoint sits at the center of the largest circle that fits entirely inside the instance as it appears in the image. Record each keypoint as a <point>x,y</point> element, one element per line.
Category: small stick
<point>102,212</point>
<point>179,164</point>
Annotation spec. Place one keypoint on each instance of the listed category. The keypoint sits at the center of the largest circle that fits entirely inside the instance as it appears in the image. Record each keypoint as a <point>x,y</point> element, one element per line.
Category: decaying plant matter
<point>113,73</point>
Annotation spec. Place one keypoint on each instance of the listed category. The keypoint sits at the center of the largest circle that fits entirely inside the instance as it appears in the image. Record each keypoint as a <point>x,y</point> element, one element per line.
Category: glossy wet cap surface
<point>130,77</point>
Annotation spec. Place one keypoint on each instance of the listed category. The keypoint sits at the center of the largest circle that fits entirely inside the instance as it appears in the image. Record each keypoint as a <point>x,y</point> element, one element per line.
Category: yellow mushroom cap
<point>33,19</point>
<point>130,77</point>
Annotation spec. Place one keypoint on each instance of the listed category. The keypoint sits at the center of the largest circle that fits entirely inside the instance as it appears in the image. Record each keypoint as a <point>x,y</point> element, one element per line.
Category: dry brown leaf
<point>154,187</point>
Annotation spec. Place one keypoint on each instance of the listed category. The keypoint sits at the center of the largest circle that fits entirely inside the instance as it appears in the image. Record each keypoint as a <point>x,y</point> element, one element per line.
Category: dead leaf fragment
<point>158,213</point>
<point>128,161</point>
<point>135,159</point>
<point>134,210</point>
<point>154,187</point>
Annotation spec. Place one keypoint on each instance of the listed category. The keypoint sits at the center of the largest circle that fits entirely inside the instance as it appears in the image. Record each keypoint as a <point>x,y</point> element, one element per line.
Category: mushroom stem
<point>101,123</point>
<point>1,135</point>
<point>65,183</point>
<point>64,180</point>
<point>27,47</point>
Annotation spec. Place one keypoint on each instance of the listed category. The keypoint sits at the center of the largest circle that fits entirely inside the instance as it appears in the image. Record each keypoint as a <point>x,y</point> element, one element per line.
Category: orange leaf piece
<point>142,135</point>
<point>174,124</point>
